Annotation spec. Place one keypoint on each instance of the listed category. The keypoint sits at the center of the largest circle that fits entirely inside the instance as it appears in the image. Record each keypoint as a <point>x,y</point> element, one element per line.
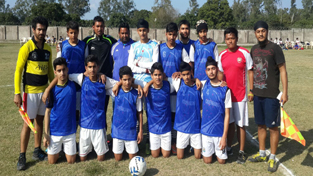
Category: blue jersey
<point>202,52</point>
<point>92,114</point>
<point>188,117</point>
<point>213,110</point>
<point>74,55</point>
<point>170,58</point>
<point>63,113</point>
<point>159,109</point>
<point>142,52</point>
<point>125,115</point>
<point>186,46</point>
<point>120,52</point>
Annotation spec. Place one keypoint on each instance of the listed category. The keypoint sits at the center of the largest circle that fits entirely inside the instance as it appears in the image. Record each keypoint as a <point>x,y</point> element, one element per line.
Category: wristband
<point>250,94</point>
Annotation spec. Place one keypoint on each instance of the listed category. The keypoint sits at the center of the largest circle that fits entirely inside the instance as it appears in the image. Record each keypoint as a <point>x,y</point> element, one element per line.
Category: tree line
<point>218,13</point>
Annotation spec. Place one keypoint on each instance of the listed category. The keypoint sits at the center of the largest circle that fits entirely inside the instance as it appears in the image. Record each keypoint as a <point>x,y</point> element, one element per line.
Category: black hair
<point>97,19</point>
<point>125,70</point>
<point>171,27</point>
<point>231,30</point>
<point>184,22</point>
<point>41,20</point>
<point>210,61</point>
<point>72,25</point>
<point>142,24</point>
<point>123,25</point>
<point>184,66</point>
<point>91,58</point>
<point>157,66</point>
<point>59,61</point>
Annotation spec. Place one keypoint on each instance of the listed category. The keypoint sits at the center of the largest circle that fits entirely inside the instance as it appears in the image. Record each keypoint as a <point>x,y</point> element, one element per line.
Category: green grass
<point>293,155</point>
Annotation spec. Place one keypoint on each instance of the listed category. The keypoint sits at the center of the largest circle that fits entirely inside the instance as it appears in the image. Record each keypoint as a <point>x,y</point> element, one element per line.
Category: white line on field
<point>255,142</point>
<point>6,85</point>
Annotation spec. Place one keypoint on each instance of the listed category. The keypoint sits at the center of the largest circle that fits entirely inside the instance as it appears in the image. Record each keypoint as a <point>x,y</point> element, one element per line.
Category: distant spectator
<point>61,39</point>
<point>296,47</point>
<point>271,40</point>
<point>53,40</point>
<point>275,41</point>
<point>281,44</point>
<point>297,41</point>
<point>287,41</point>
<point>48,40</point>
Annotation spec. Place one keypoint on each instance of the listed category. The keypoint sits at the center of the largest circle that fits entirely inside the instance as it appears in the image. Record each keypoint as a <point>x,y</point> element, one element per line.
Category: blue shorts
<point>266,111</point>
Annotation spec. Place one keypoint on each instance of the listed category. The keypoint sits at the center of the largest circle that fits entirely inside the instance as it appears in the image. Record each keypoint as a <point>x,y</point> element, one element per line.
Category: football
<point>137,166</point>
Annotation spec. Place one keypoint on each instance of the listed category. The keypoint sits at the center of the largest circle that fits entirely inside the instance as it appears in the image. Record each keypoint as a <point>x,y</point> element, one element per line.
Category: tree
<point>240,11</point>
<point>127,7</point>
<point>116,19</point>
<point>76,7</point>
<point>6,15</point>
<point>293,10</point>
<point>135,15</point>
<point>191,13</point>
<point>217,14</point>
<point>109,7</point>
<point>162,13</point>
<point>307,9</point>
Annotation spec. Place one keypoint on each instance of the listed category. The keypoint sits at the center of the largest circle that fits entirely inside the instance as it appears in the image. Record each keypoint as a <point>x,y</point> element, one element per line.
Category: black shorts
<point>266,111</point>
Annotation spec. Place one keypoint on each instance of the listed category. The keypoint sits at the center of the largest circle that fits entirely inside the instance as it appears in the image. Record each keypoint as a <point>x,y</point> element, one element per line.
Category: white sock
<point>262,153</point>
<point>272,156</point>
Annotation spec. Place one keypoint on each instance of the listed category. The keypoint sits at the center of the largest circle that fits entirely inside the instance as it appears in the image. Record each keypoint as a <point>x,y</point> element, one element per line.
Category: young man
<point>184,31</point>
<point>128,107</point>
<point>215,115</point>
<point>201,50</point>
<point>170,56</point>
<point>188,117</point>
<point>35,59</point>
<point>234,64</point>
<point>73,50</point>
<point>268,65</point>
<point>100,45</point>
<point>60,119</point>
<point>142,55</point>
<point>159,112</point>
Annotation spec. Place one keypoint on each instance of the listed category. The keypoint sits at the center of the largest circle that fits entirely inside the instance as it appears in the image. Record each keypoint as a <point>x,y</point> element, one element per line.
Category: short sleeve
<point>220,66</point>
<point>216,53</point>
<point>228,102</point>
<point>175,83</point>
<point>110,83</point>
<point>139,104</point>
<point>279,56</point>
<point>185,56</point>
<point>192,53</point>
<point>249,61</point>
<point>203,83</point>
<point>76,77</point>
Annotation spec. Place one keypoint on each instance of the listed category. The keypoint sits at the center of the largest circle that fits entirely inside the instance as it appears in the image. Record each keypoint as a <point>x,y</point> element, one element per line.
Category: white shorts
<point>210,145</point>
<point>95,138</point>
<point>78,101</point>
<point>33,105</point>
<point>239,114</point>
<point>182,140</point>
<point>160,140</point>
<point>173,99</point>
<point>69,144</point>
<point>118,146</point>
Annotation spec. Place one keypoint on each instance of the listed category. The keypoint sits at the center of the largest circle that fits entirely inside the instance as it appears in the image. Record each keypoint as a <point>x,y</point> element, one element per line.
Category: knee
<point>198,156</point>
<point>118,158</point>
<point>207,160</point>
<point>180,156</point>
<point>222,161</point>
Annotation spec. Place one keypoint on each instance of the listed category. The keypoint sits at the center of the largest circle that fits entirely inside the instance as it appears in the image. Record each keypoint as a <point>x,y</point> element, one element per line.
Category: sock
<point>36,148</point>
<point>262,153</point>
<point>272,156</point>
<point>228,148</point>
<point>22,154</point>
<point>240,151</point>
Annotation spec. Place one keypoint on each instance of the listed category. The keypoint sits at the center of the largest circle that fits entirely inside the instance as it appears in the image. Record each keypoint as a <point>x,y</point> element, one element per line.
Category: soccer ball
<point>137,166</point>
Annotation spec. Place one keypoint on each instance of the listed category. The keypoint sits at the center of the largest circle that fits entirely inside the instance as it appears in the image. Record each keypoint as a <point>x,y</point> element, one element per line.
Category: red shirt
<point>235,66</point>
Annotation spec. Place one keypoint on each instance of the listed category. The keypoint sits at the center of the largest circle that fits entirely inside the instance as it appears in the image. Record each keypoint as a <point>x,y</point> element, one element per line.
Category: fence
<point>14,32</point>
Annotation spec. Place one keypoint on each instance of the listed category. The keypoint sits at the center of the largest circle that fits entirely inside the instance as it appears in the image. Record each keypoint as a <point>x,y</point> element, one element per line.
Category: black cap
<point>260,24</point>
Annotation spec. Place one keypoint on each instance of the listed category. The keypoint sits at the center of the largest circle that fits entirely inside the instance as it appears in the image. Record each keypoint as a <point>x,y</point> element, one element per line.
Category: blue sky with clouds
<point>180,5</point>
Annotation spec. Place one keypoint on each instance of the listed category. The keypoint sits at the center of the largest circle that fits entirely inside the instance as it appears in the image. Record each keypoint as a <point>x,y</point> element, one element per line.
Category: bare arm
<point>223,142</point>
<point>250,75</point>
<point>146,88</point>
<point>48,89</point>
<point>46,140</point>
<point>140,133</point>
<point>284,80</point>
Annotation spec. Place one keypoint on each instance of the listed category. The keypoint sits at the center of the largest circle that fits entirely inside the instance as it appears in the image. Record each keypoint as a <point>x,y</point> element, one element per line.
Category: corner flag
<point>26,119</point>
<point>288,129</point>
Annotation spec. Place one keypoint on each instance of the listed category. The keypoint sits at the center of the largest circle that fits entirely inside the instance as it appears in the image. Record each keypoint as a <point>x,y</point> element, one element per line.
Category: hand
<point>222,144</point>
<point>284,98</point>
<point>18,100</point>
<point>223,84</point>
<point>86,73</point>
<point>176,75</point>
<point>198,84</point>
<point>46,140</point>
<point>45,96</point>
<point>146,90</point>
<point>250,96</point>
<point>139,137</point>
<point>140,91</point>
<point>115,89</point>
<point>103,78</point>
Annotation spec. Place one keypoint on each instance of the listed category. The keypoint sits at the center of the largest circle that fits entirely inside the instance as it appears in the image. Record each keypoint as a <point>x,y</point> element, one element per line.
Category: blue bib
<point>74,55</point>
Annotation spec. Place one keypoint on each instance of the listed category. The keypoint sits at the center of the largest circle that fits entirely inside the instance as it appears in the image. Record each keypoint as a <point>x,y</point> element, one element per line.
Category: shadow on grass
<point>152,171</point>
<point>30,164</point>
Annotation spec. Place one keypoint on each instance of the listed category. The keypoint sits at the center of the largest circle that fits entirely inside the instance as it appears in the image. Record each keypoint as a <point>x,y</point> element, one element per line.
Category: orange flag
<point>288,129</point>
<point>26,119</point>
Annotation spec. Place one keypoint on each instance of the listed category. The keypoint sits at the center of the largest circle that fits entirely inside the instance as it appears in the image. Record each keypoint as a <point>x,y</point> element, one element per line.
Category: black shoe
<point>230,152</point>
<point>241,158</point>
<point>38,154</point>
<point>21,164</point>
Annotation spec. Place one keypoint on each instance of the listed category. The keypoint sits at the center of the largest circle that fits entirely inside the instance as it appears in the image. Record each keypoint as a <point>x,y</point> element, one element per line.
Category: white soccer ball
<point>137,166</point>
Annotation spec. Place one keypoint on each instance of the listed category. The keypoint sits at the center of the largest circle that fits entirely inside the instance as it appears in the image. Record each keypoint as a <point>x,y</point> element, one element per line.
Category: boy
<point>171,55</point>
<point>184,31</point>
<point>188,117</point>
<point>60,120</point>
<point>73,50</point>
<point>145,51</point>
<point>215,115</point>
<point>128,106</point>
<point>234,63</point>
<point>201,50</point>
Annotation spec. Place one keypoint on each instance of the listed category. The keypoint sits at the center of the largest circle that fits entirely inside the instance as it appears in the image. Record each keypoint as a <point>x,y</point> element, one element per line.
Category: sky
<point>180,5</point>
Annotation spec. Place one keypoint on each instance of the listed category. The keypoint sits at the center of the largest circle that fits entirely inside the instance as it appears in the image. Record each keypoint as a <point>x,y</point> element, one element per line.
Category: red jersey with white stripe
<point>235,66</point>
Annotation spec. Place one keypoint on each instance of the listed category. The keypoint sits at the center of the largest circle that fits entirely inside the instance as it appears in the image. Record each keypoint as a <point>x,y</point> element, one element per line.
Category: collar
<point>131,88</point>
<point>184,43</point>
<point>218,85</point>
<point>35,42</point>
<point>128,43</point>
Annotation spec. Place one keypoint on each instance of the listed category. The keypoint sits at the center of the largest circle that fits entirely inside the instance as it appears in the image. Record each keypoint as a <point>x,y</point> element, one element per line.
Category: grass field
<point>292,154</point>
